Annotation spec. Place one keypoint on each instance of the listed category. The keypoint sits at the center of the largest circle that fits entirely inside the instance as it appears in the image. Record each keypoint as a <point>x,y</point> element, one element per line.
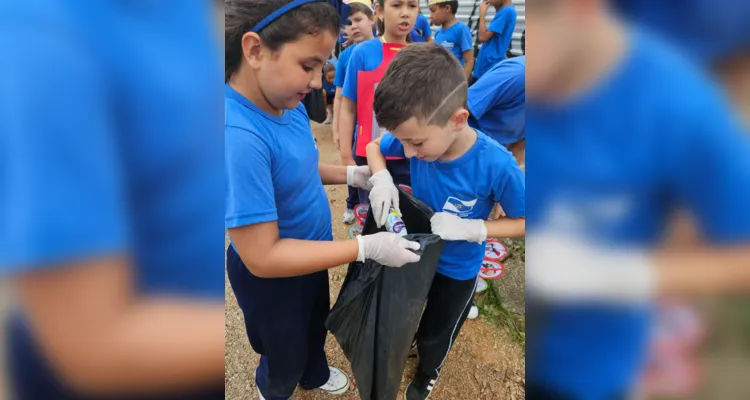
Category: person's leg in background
<point>448,305</point>
<point>400,171</point>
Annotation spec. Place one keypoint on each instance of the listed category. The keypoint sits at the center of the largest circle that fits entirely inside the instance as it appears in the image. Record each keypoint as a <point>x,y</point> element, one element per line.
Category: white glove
<point>562,268</point>
<point>358,177</point>
<point>452,227</point>
<point>387,249</point>
<point>382,195</point>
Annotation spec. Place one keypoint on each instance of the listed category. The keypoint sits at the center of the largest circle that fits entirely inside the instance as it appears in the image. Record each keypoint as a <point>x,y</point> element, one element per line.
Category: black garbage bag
<point>315,106</point>
<point>378,309</point>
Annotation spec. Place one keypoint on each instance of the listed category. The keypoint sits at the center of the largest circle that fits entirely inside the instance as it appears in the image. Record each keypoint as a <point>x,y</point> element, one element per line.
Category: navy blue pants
<point>285,323</point>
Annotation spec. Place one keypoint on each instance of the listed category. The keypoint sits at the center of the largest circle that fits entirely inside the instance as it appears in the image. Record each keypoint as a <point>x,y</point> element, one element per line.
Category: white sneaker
<point>349,217</point>
<point>473,313</point>
<point>338,382</point>
<point>481,285</point>
<point>260,395</point>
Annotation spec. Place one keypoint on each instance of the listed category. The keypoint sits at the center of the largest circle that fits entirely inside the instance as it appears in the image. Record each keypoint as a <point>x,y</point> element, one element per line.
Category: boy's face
<point>330,76</point>
<point>424,141</point>
<point>440,14</point>
<point>361,28</point>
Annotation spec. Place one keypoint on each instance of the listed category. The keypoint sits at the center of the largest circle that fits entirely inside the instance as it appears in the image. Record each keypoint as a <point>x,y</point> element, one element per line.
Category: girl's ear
<point>459,119</point>
<point>252,49</point>
<point>378,12</point>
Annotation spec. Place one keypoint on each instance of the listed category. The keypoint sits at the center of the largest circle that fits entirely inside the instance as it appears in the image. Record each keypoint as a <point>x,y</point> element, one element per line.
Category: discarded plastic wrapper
<point>395,224</point>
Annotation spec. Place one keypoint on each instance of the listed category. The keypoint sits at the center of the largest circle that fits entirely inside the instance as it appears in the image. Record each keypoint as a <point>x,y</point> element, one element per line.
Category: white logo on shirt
<point>462,208</point>
<point>448,45</point>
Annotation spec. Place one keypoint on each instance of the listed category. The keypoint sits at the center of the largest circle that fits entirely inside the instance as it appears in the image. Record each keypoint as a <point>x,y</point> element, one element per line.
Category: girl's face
<point>286,76</point>
<point>399,16</point>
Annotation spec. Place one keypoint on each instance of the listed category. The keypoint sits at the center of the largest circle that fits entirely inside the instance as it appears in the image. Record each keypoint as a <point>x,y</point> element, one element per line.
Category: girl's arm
<point>469,63</point>
<point>268,256</point>
<point>103,339</point>
<point>375,158</point>
<point>336,117</point>
<point>332,174</point>
<point>346,129</point>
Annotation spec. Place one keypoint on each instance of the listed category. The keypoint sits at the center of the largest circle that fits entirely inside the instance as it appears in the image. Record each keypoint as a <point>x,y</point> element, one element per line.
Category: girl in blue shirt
<point>277,212</point>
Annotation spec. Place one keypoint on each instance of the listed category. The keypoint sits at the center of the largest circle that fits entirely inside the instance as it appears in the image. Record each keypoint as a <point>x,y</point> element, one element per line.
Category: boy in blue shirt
<point>359,24</point>
<point>650,135</point>
<point>453,34</point>
<point>421,32</point>
<point>457,171</point>
<point>496,37</point>
<point>497,103</point>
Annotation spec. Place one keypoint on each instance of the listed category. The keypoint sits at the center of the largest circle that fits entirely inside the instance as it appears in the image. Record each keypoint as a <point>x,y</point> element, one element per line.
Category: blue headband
<point>278,13</point>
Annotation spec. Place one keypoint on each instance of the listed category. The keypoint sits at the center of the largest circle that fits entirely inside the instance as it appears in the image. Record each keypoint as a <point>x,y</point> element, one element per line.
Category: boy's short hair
<point>442,3</point>
<point>360,8</point>
<point>424,81</point>
<point>329,67</point>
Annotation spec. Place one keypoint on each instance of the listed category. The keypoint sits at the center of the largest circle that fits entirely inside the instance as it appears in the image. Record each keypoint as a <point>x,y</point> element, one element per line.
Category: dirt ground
<point>485,362</point>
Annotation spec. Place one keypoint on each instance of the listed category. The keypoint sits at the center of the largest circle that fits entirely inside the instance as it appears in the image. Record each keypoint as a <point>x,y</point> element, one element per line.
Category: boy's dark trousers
<point>285,323</point>
<point>448,304</point>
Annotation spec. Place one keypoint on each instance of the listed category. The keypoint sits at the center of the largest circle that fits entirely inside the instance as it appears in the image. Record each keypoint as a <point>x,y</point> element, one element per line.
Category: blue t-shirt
<point>469,187</point>
<point>272,171</point>
<point>658,135</point>
<point>421,30</point>
<point>705,30</point>
<point>367,56</point>
<point>110,152</point>
<point>493,51</point>
<point>342,65</point>
<point>497,101</point>
<point>456,39</point>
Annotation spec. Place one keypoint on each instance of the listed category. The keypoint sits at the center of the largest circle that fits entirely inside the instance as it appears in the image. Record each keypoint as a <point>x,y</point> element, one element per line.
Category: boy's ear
<point>252,49</point>
<point>459,119</point>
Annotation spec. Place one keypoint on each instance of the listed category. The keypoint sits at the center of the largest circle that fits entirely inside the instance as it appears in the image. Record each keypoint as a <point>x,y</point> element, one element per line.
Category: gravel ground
<point>485,362</point>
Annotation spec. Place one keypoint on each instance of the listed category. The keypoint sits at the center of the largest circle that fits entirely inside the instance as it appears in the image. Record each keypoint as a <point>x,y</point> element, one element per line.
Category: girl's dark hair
<point>381,23</point>
<point>240,16</point>
<point>329,67</point>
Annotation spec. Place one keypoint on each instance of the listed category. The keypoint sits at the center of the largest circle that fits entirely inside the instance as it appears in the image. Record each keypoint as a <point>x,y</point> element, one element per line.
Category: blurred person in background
<point>495,36</point>
<point>112,199</point>
<point>714,33</point>
<point>625,131</point>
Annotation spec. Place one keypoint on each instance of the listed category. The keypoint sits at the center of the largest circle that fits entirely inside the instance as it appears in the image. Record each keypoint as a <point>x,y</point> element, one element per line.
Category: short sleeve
<point>391,147</point>
<point>504,82</point>
<point>509,190</point>
<point>61,178</point>
<point>465,39</point>
<point>249,194</point>
<point>341,66</point>
<point>354,65</point>
<point>498,23</point>
<point>711,170</point>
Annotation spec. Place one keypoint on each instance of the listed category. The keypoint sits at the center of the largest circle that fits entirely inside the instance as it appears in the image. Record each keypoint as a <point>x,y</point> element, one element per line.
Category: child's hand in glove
<point>382,195</point>
<point>387,249</point>
<point>358,177</point>
<point>452,227</point>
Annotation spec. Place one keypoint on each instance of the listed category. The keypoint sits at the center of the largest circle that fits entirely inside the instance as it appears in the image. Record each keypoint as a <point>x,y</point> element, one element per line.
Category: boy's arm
<point>506,227</point>
<point>346,129</point>
<point>384,193</point>
<point>483,33</point>
<point>468,63</point>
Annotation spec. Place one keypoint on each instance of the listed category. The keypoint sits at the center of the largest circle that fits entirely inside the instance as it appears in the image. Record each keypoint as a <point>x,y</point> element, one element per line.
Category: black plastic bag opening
<point>378,309</point>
